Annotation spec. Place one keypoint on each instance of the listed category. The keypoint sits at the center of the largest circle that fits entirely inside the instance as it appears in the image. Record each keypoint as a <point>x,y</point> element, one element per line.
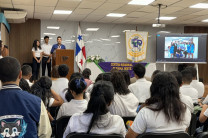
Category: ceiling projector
<point>158,25</point>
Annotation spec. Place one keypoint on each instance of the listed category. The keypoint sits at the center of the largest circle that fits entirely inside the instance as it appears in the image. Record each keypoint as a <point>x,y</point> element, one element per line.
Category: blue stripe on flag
<point>78,49</point>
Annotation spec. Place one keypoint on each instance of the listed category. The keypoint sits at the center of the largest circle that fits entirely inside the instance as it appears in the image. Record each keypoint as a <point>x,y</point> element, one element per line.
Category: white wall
<point>109,50</point>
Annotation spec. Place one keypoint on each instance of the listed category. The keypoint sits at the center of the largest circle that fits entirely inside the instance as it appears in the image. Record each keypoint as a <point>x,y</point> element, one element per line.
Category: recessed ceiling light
<point>141,2</point>
<point>200,5</point>
<point>49,34</point>
<point>105,39</point>
<point>206,20</point>
<point>115,36</point>
<point>53,27</point>
<point>166,18</point>
<point>129,31</point>
<point>164,32</point>
<point>92,29</point>
<point>116,15</point>
<point>62,12</point>
<point>118,42</point>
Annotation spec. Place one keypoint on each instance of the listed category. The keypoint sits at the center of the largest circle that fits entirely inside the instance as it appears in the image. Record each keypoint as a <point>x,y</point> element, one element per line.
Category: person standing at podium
<point>58,45</point>
<point>46,56</point>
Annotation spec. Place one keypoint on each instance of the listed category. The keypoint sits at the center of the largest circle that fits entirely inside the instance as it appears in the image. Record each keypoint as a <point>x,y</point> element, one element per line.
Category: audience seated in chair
<point>186,88</point>
<point>86,74</point>
<point>77,88</point>
<point>42,89</point>
<point>23,84</point>
<point>97,119</point>
<point>199,86</point>
<point>20,110</point>
<point>61,83</point>
<point>141,88</point>
<point>125,103</point>
<point>161,112</point>
<point>184,98</point>
<point>27,73</point>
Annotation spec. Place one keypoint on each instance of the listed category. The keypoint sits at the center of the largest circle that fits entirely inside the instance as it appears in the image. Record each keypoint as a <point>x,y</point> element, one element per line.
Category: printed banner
<point>107,66</point>
<point>136,45</point>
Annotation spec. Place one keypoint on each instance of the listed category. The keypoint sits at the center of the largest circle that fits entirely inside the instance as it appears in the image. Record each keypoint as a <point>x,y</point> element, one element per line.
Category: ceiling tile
<point>68,3</point>
<point>44,9</point>
<point>186,3</point>
<point>59,17</point>
<point>5,2</point>
<point>148,9</point>
<point>107,19</point>
<point>45,2</point>
<point>23,2</point>
<point>137,14</point>
<point>90,4</point>
<point>42,16</point>
<point>6,5</point>
<point>100,12</point>
<point>24,7</point>
<point>110,6</point>
<point>82,11</point>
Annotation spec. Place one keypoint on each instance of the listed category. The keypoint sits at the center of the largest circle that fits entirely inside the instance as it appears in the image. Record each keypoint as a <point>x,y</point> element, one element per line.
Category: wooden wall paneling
<point>21,39</point>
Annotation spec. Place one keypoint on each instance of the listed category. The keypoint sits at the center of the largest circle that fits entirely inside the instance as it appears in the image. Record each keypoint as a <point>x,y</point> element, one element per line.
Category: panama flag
<point>80,50</point>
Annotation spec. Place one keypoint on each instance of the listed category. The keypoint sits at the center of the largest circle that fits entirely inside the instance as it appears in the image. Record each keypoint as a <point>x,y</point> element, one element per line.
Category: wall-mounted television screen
<point>181,48</point>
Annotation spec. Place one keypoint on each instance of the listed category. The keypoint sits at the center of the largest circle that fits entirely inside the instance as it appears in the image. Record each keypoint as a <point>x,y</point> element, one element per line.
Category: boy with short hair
<point>186,88</point>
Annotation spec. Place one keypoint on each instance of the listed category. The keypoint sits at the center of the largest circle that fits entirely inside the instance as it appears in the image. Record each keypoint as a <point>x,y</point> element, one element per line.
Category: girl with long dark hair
<point>125,103</point>
<point>97,119</point>
<point>42,89</point>
<point>37,57</point>
<point>163,111</point>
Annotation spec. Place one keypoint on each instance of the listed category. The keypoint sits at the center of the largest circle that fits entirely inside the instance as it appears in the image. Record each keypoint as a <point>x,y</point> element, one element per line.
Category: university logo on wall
<point>136,45</point>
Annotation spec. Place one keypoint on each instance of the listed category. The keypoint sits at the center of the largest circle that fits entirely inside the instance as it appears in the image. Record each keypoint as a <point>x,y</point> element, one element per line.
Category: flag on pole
<point>80,50</point>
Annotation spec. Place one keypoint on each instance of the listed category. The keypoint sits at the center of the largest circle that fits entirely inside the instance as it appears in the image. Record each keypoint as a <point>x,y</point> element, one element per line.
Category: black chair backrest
<point>127,118</point>
<point>192,126</point>
<point>61,125</point>
<point>202,135</point>
<point>81,135</point>
<point>165,135</point>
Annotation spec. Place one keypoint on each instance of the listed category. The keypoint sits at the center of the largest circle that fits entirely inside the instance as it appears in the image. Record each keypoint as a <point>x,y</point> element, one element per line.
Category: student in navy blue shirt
<point>58,45</point>
<point>22,114</point>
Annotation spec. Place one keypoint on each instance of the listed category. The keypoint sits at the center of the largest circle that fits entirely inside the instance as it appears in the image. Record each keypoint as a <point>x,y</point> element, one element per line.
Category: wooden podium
<point>64,56</point>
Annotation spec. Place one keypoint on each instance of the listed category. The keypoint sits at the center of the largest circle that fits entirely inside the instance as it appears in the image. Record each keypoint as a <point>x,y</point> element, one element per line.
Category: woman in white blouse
<point>37,57</point>
<point>97,119</point>
<point>163,112</point>
<point>125,103</point>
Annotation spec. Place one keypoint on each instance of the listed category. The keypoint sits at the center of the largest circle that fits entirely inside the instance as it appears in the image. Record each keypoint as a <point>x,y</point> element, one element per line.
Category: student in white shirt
<point>37,57</point>
<point>186,88</point>
<point>199,86</point>
<point>77,88</point>
<point>185,99</point>
<point>125,103</point>
<point>46,56</point>
<point>97,119</point>
<point>27,73</point>
<point>163,111</point>
<point>204,113</point>
<point>61,84</point>
<point>141,88</point>
<point>42,89</point>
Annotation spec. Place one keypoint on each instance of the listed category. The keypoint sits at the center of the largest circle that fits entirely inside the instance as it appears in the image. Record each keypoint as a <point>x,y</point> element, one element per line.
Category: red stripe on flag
<point>83,51</point>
